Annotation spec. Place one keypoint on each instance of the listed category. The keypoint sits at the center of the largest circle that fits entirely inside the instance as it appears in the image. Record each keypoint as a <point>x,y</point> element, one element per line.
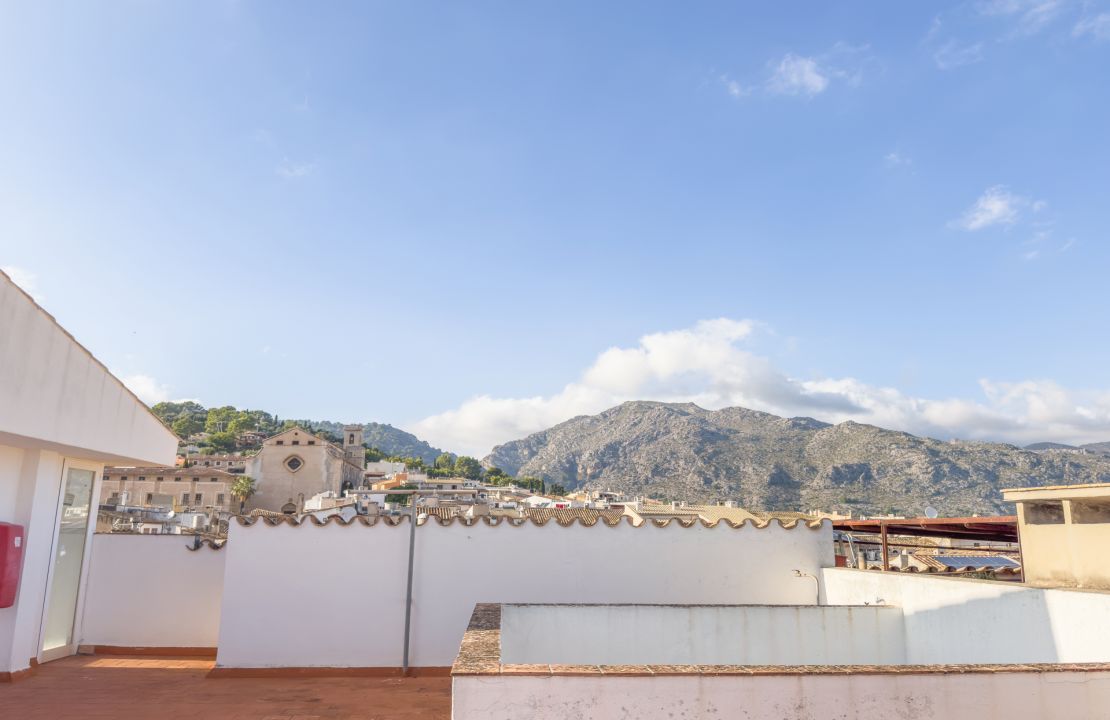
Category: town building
<point>228,463</point>
<point>1064,532</point>
<point>295,464</point>
<point>63,417</point>
<point>250,439</point>
<point>448,483</point>
<point>175,488</point>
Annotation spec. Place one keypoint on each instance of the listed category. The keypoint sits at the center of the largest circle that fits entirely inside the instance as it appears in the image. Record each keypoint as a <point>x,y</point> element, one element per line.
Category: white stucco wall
<point>701,635</point>
<point>54,395</point>
<point>952,620</point>
<point>31,479</point>
<point>150,591</point>
<point>58,407</point>
<point>335,595</point>
<point>972,696</point>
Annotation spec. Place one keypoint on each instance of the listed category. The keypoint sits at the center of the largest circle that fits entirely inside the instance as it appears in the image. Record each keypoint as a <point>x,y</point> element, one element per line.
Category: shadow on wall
<point>1014,627</point>
<point>952,620</point>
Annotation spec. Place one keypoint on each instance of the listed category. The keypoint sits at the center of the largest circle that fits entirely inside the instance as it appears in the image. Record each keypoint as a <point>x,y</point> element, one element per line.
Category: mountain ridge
<point>768,462</point>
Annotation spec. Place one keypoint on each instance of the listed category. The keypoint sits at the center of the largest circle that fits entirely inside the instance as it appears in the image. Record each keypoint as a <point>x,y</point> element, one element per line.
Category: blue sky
<point>475,219</point>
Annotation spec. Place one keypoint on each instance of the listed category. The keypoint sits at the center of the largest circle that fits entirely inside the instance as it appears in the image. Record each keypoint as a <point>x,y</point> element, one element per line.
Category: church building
<point>295,465</point>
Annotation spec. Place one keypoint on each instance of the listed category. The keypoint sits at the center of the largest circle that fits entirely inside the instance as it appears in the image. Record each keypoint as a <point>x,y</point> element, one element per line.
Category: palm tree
<point>243,488</point>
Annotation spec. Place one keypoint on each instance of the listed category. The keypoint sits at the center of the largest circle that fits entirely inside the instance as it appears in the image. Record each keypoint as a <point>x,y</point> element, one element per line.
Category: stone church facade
<point>295,465</point>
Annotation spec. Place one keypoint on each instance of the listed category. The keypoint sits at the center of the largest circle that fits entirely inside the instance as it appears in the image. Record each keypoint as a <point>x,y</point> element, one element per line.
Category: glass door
<point>69,554</point>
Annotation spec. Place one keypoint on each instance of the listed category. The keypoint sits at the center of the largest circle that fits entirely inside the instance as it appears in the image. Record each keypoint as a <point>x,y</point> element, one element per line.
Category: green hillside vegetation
<point>224,428</point>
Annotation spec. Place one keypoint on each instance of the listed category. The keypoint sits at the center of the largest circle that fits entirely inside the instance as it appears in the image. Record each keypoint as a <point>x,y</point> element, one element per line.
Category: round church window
<point>294,463</point>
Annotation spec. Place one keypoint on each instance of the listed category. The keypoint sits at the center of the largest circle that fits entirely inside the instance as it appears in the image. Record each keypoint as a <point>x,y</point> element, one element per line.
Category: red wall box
<point>11,562</point>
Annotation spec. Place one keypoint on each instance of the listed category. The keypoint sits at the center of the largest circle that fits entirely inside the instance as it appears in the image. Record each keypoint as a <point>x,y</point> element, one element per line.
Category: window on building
<point>123,478</point>
<point>1088,512</point>
<point>107,477</point>
<point>219,498</point>
<point>296,442</point>
<point>213,479</point>
<point>280,442</point>
<point>113,499</point>
<point>196,479</point>
<point>294,463</point>
<point>150,498</point>
<point>198,499</point>
<point>177,478</point>
<point>185,498</point>
<point>311,442</point>
<point>351,439</point>
<point>1044,513</point>
<point>207,462</point>
<point>142,478</point>
<point>159,478</point>
<point>218,463</point>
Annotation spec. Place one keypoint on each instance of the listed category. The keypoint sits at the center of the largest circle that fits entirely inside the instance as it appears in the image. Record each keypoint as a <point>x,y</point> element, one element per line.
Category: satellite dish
<point>930,511</point>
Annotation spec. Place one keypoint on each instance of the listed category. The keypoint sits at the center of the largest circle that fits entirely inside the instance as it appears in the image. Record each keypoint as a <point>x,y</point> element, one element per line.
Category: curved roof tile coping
<point>393,521</point>
<point>963,569</point>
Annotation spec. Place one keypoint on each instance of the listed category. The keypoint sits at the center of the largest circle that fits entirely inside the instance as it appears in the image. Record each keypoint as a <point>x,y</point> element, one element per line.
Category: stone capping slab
<point>394,521</point>
<point>480,654</point>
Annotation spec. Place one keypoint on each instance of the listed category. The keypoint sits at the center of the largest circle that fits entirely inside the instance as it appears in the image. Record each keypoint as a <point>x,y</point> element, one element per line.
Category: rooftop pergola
<point>987,529</point>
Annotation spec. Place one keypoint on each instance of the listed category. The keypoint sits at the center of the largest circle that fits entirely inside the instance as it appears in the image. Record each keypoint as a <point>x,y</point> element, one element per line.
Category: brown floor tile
<point>136,688</point>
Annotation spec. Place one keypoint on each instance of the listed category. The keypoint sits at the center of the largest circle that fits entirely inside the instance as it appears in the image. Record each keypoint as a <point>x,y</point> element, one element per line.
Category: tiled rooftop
<point>102,687</point>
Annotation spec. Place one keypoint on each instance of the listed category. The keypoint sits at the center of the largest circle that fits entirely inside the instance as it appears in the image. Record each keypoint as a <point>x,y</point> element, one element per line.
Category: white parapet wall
<point>960,696</point>
<point>151,591</point>
<point>334,595</point>
<point>955,620</point>
<point>701,635</point>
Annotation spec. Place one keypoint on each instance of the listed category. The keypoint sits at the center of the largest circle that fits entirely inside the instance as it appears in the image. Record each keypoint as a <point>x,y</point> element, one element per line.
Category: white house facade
<point>63,417</point>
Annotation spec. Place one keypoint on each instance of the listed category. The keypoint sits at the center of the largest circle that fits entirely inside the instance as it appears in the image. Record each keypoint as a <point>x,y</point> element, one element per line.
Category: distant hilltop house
<point>250,439</point>
<point>295,464</point>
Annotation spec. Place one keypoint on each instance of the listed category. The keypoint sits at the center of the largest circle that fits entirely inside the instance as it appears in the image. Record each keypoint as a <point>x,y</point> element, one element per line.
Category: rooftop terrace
<point>103,687</point>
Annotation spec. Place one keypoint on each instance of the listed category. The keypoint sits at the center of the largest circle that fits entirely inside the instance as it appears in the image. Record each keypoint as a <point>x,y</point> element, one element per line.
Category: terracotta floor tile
<point>136,688</point>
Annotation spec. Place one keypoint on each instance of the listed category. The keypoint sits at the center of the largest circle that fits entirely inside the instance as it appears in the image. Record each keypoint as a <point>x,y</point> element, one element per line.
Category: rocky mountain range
<point>766,462</point>
<point>1099,448</point>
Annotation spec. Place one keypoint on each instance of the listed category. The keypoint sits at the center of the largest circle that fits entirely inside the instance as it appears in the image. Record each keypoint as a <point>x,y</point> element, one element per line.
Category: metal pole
<point>408,591</point>
<point>885,544</point>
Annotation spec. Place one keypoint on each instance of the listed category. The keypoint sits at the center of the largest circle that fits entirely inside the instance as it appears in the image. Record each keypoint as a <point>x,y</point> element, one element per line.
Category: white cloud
<point>147,388</point>
<point>292,170</point>
<point>1031,16</point>
<point>996,206</point>
<point>25,279</point>
<point>733,88</point>
<point>897,159</point>
<point>1097,26</point>
<point>953,55</point>
<point>808,76</point>
<point>707,364</point>
<point>796,75</point>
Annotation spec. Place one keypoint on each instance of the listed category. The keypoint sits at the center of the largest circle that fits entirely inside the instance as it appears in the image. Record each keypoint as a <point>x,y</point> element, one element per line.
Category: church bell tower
<point>352,445</point>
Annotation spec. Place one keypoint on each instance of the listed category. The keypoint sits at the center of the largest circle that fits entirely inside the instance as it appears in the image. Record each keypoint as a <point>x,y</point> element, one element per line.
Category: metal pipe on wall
<point>408,591</point>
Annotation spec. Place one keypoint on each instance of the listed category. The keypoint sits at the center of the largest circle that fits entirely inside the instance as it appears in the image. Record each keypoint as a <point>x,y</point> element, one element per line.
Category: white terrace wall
<point>952,696</point>
<point>334,596</point>
<point>701,635</point>
<point>152,591</point>
<point>953,620</point>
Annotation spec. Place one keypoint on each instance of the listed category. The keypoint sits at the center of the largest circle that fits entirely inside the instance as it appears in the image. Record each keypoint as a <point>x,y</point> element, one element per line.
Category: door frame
<point>79,608</point>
